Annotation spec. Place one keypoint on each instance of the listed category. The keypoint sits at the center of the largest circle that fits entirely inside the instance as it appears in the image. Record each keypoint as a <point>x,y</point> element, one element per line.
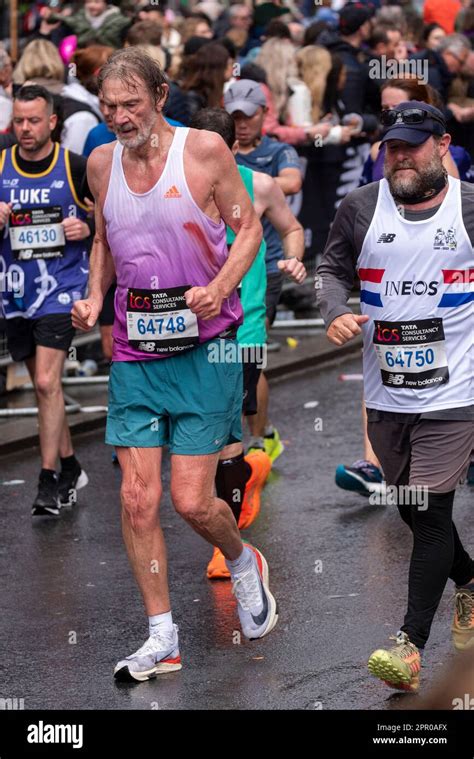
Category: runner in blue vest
<point>43,252</point>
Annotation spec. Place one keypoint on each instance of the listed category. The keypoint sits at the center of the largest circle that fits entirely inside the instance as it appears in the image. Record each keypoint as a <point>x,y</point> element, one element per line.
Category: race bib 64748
<point>159,321</point>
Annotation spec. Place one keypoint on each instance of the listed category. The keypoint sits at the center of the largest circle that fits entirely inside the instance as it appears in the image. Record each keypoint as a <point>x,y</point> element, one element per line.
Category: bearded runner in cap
<point>409,237</point>
<point>164,196</point>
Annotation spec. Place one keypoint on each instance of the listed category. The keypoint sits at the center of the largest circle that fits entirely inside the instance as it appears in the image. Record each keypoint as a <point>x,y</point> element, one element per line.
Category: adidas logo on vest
<point>173,192</point>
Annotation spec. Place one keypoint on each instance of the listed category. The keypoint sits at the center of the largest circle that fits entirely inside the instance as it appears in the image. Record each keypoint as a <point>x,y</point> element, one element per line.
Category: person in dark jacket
<point>446,62</point>
<point>203,83</point>
<point>360,93</point>
<point>177,106</point>
<point>98,21</point>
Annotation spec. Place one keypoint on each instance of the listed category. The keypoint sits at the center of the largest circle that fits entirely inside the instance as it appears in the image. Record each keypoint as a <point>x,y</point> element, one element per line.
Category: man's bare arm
<point>101,266</point>
<point>290,181</point>
<point>235,207</point>
<point>233,204</point>
<point>270,202</point>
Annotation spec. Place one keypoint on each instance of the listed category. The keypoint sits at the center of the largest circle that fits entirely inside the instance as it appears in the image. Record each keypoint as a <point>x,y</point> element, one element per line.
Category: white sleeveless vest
<point>417,286</point>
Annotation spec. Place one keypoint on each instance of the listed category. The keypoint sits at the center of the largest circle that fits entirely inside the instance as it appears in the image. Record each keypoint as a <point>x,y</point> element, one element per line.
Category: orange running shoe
<point>261,464</point>
<point>217,568</point>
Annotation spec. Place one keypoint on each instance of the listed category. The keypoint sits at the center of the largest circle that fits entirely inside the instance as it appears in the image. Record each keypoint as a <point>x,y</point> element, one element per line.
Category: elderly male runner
<point>163,198</point>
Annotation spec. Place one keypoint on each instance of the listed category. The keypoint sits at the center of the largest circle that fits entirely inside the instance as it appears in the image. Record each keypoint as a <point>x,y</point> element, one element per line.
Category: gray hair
<point>4,58</point>
<point>455,43</point>
<point>391,14</point>
<point>234,9</point>
<point>130,63</point>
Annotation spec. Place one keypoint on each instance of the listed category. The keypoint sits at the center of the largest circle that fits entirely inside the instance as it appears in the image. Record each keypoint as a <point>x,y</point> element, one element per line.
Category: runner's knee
<point>140,503</point>
<point>191,505</point>
<point>47,383</point>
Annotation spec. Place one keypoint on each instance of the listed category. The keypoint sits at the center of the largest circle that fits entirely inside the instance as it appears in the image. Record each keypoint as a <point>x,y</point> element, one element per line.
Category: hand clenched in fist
<point>293,268</point>
<point>85,314</point>
<point>5,210</point>
<point>345,327</point>
<point>75,229</point>
<point>205,302</point>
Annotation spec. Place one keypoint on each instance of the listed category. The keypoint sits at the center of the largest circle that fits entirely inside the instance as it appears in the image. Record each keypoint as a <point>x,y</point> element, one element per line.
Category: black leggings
<point>231,478</point>
<point>437,555</point>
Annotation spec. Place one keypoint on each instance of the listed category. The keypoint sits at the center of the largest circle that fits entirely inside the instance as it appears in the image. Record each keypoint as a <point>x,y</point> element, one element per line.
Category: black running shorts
<point>107,315</point>
<point>251,375</point>
<point>52,331</point>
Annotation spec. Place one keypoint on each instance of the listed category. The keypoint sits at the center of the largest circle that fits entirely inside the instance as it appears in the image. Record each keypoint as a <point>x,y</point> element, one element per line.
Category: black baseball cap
<point>421,121</point>
<point>352,16</point>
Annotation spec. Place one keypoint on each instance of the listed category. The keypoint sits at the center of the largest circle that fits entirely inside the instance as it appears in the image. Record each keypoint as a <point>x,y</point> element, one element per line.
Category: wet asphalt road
<point>338,566</point>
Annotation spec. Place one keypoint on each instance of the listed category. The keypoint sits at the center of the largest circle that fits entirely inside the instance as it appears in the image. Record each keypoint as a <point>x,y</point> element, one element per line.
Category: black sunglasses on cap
<point>409,116</point>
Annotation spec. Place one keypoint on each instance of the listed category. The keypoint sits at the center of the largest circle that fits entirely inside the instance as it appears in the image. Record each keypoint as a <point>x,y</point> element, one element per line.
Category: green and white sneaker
<point>399,667</point>
<point>273,445</point>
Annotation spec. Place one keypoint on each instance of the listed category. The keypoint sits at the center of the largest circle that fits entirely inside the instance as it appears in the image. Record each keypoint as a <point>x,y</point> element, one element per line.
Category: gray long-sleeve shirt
<point>337,271</point>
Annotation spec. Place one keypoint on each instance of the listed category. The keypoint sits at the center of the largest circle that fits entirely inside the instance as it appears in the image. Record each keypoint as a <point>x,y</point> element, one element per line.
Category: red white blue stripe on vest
<point>460,280</point>
<point>371,276</point>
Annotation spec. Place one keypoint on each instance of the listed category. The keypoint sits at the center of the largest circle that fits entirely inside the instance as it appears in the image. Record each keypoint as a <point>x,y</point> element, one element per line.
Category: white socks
<point>161,624</point>
<point>242,563</point>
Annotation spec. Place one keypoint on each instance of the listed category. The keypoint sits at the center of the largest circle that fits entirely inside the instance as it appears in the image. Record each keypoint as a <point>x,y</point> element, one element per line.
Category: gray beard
<point>142,137</point>
<point>404,188</point>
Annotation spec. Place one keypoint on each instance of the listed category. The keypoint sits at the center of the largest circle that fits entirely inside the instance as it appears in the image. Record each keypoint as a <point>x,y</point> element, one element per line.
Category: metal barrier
<point>3,346</point>
<point>71,405</point>
<point>78,341</point>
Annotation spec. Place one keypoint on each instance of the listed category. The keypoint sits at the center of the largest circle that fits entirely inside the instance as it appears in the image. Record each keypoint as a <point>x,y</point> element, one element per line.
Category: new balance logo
<point>58,184</point>
<point>387,237</point>
<point>173,192</point>
<point>396,379</point>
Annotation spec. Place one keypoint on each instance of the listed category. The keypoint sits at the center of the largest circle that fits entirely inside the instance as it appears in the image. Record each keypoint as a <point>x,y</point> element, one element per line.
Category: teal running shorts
<point>189,402</point>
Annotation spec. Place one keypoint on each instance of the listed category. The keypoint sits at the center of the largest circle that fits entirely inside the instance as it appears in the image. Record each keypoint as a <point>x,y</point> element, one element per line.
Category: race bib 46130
<point>37,233</point>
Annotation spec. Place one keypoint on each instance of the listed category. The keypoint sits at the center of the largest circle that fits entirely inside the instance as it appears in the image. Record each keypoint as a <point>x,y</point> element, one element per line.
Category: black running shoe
<point>70,481</point>
<point>47,501</point>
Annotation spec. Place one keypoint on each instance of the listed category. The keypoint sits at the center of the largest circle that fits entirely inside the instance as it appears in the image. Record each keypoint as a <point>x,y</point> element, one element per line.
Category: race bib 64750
<point>411,354</point>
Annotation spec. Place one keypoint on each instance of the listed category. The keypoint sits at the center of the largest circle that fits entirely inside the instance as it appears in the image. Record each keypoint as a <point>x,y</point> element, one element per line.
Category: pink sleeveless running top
<point>159,240</point>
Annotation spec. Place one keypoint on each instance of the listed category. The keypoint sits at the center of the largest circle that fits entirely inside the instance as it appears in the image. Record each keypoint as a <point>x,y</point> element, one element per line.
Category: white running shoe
<point>257,609</point>
<point>158,655</point>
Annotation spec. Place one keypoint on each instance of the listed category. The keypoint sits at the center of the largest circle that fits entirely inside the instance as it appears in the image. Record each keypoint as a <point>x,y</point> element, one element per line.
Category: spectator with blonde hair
<point>41,61</point>
<point>289,115</point>
<point>314,64</point>
<point>277,58</point>
<point>76,102</point>
<point>6,105</point>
